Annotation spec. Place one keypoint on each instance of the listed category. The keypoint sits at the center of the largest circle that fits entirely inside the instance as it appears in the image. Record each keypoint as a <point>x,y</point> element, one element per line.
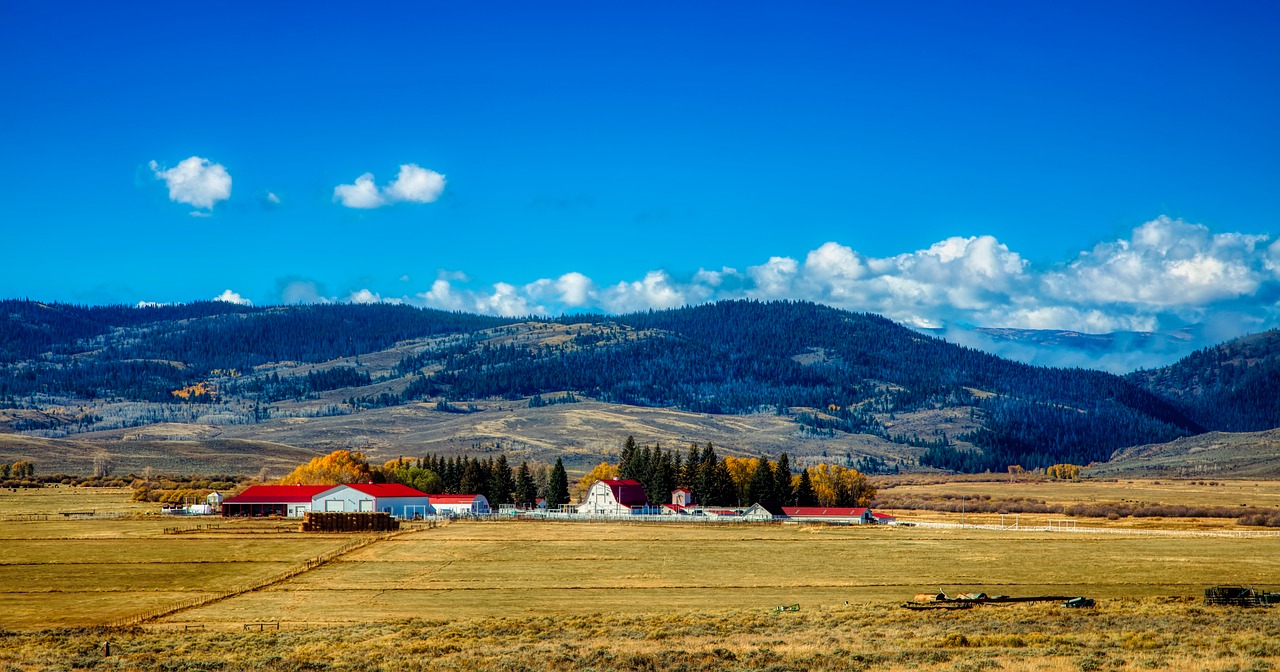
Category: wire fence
<point>310,564</point>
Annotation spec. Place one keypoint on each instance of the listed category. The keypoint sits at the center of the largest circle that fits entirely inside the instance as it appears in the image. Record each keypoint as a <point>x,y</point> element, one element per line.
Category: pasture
<point>568,596</point>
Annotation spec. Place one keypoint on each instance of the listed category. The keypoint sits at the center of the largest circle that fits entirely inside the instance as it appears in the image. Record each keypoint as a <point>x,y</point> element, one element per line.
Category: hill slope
<point>1233,387</point>
<point>827,374</point>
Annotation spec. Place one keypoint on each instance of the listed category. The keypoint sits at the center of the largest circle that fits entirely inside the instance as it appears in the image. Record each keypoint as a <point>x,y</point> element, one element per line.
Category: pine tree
<point>761,486</point>
<point>804,491</point>
<point>526,490</point>
<point>783,493</point>
<point>501,482</point>
<point>559,486</point>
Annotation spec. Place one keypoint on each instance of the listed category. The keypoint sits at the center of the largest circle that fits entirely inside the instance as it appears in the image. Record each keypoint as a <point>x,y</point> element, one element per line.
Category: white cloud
<point>506,301</point>
<point>271,199</point>
<point>232,297</point>
<point>1166,274</point>
<point>363,194</point>
<point>195,181</point>
<point>366,296</point>
<point>656,290</point>
<point>301,290</point>
<point>414,184</point>
<point>150,304</point>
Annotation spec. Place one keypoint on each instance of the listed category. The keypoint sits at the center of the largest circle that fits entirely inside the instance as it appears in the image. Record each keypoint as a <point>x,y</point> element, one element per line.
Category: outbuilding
<point>459,505</point>
<point>401,501</point>
<point>829,514</point>
<point>615,497</point>
<point>289,501</point>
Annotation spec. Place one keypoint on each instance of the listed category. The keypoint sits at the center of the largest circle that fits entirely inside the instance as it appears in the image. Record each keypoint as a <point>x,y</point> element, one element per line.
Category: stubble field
<point>548,595</point>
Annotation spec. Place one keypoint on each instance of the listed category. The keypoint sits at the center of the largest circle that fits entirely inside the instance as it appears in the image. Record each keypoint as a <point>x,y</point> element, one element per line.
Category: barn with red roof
<point>291,501</point>
<point>616,497</point>
<point>398,500</point>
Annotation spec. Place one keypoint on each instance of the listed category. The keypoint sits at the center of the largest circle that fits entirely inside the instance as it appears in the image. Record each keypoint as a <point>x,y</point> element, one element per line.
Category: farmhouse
<point>290,501</point>
<point>829,514</point>
<point>459,505</point>
<point>615,497</point>
<point>398,500</point>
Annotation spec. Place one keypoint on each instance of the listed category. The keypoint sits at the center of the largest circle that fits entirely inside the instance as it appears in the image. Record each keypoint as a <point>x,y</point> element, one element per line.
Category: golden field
<point>570,596</point>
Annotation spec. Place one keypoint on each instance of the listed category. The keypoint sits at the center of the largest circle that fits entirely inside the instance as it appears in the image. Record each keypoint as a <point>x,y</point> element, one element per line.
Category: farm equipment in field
<point>783,608</point>
<point>1239,596</point>
<point>930,601</point>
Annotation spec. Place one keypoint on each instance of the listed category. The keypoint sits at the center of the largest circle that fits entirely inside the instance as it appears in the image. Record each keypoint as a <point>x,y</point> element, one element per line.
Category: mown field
<point>573,596</point>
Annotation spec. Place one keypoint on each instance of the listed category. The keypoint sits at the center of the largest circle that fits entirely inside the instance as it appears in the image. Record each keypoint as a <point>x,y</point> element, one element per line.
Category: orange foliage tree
<point>602,472</point>
<point>340,466</point>
<point>834,485</point>
<point>740,470</point>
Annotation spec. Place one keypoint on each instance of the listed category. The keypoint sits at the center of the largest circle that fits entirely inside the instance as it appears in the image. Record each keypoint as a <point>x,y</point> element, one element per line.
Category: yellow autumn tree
<point>340,466</point>
<point>834,485</point>
<point>1066,472</point>
<point>740,470</point>
<point>602,472</point>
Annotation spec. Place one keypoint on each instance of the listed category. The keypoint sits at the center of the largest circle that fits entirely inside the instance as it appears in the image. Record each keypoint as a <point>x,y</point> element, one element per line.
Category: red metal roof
<point>277,494</point>
<point>683,490</point>
<point>882,516</point>
<point>824,511</point>
<point>627,491</point>
<point>452,499</point>
<point>386,489</point>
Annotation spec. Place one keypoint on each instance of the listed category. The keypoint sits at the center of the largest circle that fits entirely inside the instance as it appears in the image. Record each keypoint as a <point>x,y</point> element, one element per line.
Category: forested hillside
<point>1232,387</point>
<point>832,372</point>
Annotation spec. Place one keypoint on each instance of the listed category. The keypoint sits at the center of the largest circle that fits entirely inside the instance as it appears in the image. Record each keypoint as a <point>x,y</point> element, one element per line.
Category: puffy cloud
<point>656,290</point>
<point>196,181</point>
<point>575,289</point>
<point>414,184</point>
<point>367,296</point>
<point>232,297</point>
<point>506,301</point>
<point>1166,263</point>
<point>151,304</point>
<point>362,194</point>
<point>293,290</point>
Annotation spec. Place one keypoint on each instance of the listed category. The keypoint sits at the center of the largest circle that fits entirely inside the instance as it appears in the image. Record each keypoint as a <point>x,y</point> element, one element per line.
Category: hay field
<point>1163,491</point>
<point>514,569</point>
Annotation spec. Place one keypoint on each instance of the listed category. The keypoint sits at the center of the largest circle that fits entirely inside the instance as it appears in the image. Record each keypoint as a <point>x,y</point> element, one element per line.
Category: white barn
<point>398,500</point>
<point>459,505</point>
<point>615,497</point>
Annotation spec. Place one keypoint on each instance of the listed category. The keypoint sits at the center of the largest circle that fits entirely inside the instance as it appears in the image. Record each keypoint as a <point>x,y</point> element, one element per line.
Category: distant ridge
<point>827,373</point>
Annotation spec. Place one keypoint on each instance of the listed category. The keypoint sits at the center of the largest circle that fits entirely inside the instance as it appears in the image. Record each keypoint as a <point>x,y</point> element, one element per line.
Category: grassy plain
<point>576,596</point>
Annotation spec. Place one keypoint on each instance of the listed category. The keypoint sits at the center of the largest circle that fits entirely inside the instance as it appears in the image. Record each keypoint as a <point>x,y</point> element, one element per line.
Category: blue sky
<point>1095,166</point>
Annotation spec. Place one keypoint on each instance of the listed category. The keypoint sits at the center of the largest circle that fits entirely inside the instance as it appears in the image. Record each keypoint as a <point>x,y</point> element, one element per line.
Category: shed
<point>457,505</point>
<point>291,501</point>
<point>398,500</point>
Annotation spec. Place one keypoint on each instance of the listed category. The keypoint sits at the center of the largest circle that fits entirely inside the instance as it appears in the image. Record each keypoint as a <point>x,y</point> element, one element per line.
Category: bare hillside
<point>1220,454</point>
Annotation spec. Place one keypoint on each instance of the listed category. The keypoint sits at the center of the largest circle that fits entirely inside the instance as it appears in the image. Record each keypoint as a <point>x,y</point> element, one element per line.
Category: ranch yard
<point>559,595</point>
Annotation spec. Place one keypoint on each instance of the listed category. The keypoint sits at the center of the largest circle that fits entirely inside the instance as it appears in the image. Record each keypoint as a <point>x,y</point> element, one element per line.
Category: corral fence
<point>315,521</point>
<point>310,564</point>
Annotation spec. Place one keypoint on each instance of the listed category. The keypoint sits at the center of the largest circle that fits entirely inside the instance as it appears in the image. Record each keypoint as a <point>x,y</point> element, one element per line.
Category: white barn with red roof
<point>460,505</point>
<point>398,500</point>
<point>289,501</point>
<point>615,497</point>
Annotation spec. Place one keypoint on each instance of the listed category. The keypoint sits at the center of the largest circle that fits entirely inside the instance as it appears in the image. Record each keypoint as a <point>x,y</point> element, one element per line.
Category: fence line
<point>1102,530</point>
<point>310,564</point>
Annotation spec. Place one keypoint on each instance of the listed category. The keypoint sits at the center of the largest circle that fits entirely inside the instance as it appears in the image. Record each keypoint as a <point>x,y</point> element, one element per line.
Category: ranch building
<point>616,497</point>
<point>289,501</point>
<point>829,514</point>
<point>401,501</point>
<point>459,505</point>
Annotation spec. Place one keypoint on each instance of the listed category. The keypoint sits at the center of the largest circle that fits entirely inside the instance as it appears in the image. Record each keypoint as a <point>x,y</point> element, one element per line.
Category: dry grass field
<point>577,596</point>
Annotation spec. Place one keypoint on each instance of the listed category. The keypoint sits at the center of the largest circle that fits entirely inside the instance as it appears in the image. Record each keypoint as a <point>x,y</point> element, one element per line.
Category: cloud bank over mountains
<point>1167,274</point>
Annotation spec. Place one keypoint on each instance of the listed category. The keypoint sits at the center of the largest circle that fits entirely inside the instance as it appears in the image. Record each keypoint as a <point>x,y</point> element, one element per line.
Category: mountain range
<point>759,378</point>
